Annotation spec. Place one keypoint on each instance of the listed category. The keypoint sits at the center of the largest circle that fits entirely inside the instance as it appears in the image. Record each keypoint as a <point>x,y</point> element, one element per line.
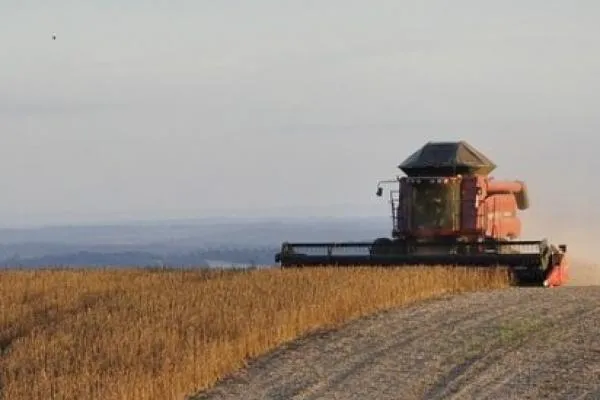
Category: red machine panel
<point>502,220</point>
<point>489,207</point>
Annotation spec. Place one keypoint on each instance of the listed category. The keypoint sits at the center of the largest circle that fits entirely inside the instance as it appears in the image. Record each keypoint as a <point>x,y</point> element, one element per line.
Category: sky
<point>170,109</point>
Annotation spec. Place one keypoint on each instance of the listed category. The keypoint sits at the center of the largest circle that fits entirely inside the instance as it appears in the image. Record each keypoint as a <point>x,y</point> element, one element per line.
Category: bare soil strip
<point>521,343</point>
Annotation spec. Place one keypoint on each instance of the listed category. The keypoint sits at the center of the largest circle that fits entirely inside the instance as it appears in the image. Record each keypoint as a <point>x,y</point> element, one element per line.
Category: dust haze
<point>583,270</point>
<point>578,233</point>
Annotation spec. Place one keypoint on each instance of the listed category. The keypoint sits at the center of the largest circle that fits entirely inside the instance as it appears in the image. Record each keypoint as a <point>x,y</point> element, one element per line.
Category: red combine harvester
<point>447,210</point>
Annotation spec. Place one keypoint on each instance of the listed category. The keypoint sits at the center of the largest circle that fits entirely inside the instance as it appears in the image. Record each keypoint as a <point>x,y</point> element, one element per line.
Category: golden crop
<point>164,334</point>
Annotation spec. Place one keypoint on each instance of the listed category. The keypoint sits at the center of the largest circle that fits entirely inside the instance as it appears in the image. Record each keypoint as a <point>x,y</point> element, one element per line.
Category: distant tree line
<point>200,258</point>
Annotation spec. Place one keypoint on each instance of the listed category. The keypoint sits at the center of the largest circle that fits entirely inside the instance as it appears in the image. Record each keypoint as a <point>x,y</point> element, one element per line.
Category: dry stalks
<point>140,334</point>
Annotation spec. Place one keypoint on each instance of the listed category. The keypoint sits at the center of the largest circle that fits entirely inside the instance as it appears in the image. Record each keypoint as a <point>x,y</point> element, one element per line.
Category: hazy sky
<point>152,109</point>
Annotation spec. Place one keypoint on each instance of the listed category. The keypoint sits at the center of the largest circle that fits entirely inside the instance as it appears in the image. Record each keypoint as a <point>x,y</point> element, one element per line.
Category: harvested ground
<point>521,343</point>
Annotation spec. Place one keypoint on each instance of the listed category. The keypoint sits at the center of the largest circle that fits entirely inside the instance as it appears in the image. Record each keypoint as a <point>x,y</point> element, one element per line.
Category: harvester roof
<point>446,159</point>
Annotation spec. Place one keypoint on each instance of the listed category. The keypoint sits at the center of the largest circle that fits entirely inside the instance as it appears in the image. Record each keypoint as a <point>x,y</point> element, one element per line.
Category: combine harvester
<point>447,211</point>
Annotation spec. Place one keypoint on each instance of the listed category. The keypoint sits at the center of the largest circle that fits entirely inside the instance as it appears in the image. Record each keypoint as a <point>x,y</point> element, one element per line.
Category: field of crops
<point>164,334</point>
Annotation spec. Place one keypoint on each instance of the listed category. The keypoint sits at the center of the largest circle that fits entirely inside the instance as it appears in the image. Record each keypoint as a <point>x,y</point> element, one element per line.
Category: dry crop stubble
<point>148,334</point>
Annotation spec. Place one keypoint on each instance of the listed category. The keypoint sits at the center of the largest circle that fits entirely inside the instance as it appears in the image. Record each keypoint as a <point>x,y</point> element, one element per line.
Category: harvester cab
<point>447,210</point>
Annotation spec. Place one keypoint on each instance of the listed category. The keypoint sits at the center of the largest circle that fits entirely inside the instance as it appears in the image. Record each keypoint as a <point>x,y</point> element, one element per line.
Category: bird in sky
<point>54,36</point>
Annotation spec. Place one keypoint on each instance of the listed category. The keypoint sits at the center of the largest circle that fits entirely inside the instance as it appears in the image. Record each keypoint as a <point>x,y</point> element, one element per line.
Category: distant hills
<point>199,242</point>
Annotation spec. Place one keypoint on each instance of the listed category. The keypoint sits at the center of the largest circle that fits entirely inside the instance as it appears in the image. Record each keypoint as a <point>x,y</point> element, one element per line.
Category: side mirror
<point>379,191</point>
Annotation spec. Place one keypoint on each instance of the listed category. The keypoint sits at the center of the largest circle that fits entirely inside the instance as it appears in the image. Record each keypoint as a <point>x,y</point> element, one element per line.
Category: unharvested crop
<point>164,334</point>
